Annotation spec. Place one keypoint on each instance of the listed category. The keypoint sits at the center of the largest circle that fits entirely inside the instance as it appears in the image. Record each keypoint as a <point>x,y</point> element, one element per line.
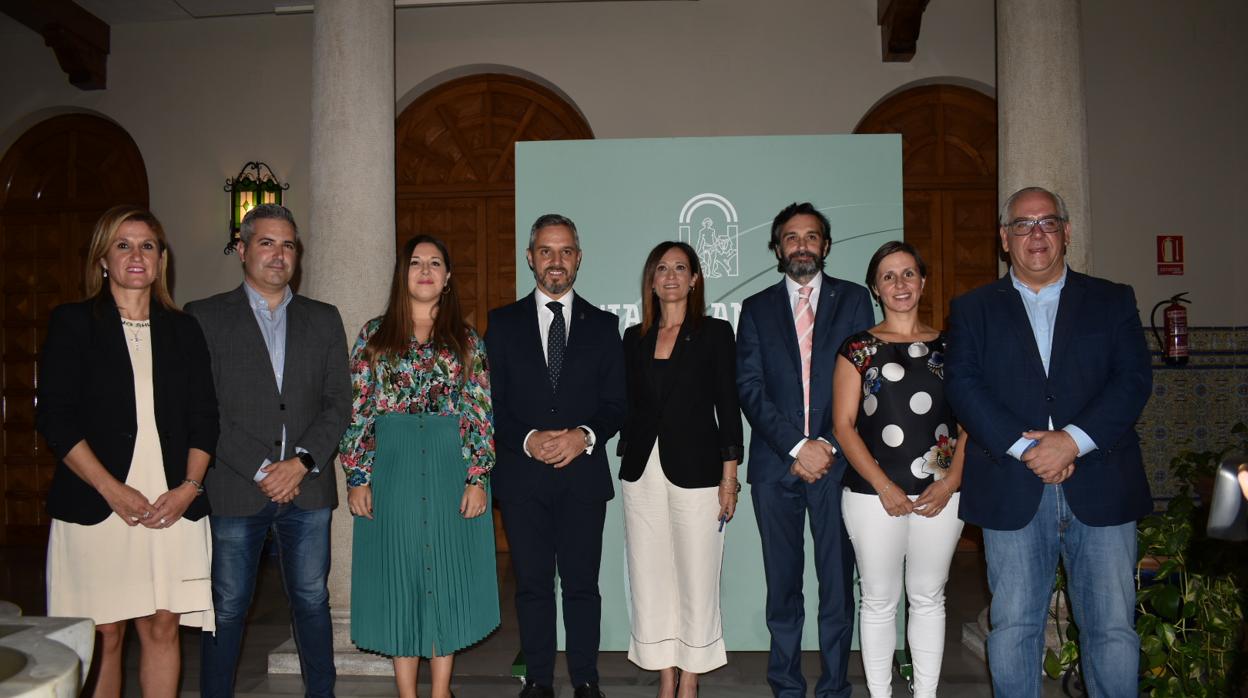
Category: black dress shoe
<point>532,690</point>
<point>589,690</point>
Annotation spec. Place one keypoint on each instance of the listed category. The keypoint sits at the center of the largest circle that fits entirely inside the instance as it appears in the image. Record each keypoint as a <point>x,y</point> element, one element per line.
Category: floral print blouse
<point>426,379</point>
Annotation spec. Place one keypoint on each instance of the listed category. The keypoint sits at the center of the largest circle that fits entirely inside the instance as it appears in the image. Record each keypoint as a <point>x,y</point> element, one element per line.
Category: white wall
<point>200,98</point>
<point>1164,82</point>
<point>1167,117</point>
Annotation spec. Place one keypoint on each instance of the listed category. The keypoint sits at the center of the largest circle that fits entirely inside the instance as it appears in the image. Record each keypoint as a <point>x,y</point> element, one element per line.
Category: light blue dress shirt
<point>272,324</point>
<point>1041,309</point>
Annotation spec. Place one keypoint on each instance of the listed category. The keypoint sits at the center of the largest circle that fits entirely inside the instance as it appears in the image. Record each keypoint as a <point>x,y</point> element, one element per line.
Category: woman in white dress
<point>126,403</point>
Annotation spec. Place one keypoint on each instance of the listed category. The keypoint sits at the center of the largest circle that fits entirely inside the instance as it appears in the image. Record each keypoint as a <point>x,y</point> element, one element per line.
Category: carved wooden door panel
<point>455,172</point>
<point>949,182</point>
<point>455,179</point>
<point>55,181</point>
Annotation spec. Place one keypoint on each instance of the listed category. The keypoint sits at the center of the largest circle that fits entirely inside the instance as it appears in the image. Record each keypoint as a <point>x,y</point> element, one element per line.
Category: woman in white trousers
<point>680,447</point>
<point>900,501</point>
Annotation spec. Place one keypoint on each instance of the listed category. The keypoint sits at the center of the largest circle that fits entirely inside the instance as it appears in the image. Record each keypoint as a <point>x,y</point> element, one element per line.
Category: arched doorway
<point>455,178</point>
<point>455,174</point>
<point>55,181</point>
<point>949,182</point>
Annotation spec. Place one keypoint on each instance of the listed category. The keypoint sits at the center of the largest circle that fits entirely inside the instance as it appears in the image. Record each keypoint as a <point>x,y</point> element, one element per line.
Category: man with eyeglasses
<point>1048,371</point>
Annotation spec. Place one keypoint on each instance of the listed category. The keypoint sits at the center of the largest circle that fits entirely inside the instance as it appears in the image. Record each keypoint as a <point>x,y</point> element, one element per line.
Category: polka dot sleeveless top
<point>904,418</point>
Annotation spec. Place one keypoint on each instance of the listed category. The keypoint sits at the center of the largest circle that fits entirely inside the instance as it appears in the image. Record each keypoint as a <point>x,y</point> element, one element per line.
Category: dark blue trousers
<point>556,530</point>
<point>781,508</point>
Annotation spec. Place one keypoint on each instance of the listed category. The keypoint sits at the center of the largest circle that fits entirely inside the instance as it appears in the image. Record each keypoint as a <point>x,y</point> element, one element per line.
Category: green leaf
<point>1168,602</point>
<point>1166,631</point>
<point>1070,653</point>
<point>1072,633</point>
<point>1052,665</point>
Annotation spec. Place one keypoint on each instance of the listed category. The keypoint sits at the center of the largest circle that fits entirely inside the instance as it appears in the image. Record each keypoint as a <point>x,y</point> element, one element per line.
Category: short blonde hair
<point>106,231</point>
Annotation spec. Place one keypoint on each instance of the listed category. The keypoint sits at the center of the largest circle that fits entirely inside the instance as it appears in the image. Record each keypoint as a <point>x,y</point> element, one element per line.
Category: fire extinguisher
<point>1174,342</point>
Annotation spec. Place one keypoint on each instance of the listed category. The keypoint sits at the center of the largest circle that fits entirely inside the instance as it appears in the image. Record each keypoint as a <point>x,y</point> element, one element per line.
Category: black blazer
<point>591,392</point>
<point>86,392</point>
<point>695,416</point>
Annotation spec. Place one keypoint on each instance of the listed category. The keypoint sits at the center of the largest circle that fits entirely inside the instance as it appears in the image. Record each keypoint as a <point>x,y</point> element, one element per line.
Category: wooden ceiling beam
<point>900,21</point>
<point>79,39</point>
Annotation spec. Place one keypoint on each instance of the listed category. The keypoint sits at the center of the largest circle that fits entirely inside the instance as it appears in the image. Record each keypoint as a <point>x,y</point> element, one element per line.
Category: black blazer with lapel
<point>694,416</point>
<point>591,392</point>
<point>1099,379</point>
<point>86,392</point>
<point>314,403</point>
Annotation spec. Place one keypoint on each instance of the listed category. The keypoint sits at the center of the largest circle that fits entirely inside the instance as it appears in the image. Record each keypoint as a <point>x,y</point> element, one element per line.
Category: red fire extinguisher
<point>1174,341</point>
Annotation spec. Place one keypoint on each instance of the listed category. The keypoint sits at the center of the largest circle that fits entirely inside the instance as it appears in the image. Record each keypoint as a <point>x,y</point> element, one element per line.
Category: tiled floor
<point>483,671</point>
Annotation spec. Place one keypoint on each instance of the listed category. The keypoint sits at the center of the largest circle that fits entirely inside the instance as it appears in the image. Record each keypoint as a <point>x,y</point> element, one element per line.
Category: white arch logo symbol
<point>717,248</point>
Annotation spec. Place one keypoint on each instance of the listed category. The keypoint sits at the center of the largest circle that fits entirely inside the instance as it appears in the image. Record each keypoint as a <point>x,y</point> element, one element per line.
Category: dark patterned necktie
<point>556,343</point>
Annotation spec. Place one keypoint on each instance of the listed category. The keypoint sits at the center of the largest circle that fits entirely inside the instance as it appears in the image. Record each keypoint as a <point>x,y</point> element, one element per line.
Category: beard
<point>556,287</point>
<point>802,264</point>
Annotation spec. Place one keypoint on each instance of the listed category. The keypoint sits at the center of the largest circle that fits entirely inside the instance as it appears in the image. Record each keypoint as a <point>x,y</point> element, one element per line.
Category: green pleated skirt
<point>423,578</point>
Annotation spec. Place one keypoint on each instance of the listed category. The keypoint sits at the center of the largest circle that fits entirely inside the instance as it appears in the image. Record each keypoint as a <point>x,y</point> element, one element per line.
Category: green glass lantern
<point>255,184</point>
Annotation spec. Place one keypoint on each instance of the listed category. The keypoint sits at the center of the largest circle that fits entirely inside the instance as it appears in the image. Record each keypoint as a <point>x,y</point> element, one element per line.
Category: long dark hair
<point>650,307</point>
<point>396,330</point>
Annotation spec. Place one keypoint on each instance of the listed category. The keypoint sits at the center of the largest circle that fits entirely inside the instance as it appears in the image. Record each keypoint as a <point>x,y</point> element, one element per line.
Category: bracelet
<point>199,487</point>
<point>733,482</point>
<point>887,487</point>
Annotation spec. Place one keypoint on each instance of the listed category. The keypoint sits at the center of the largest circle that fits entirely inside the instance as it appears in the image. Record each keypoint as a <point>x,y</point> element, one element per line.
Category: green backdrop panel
<point>720,195</point>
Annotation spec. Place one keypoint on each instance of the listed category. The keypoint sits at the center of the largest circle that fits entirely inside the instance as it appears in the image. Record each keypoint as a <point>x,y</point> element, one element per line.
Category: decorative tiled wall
<point>1194,406</point>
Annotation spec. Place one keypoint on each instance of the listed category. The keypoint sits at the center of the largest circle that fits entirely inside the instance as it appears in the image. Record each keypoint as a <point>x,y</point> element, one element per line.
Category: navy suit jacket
<point>769,371</point>
<point>1099,380</point>
<point>591,393</point>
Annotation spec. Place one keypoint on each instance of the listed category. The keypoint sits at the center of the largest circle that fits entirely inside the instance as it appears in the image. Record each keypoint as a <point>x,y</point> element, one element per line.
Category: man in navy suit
<point>1048,371</point>
<point>787,340</point>
<point>557,377</point>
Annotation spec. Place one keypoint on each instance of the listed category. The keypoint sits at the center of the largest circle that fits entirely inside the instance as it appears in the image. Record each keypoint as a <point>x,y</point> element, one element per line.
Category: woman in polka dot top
<point>900,501</point>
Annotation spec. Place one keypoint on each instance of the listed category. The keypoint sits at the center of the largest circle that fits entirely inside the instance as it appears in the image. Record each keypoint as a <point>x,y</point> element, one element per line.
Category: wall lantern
<point>255,184</point>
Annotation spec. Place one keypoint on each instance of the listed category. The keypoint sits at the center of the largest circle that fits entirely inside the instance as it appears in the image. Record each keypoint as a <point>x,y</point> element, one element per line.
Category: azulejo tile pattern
<point>1193,407</point>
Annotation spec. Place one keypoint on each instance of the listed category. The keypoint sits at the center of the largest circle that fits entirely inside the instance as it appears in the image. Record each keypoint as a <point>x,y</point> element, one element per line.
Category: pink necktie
<point>804,320</point>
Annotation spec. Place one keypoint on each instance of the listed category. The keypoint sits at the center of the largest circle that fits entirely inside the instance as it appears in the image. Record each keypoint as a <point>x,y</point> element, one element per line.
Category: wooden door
<point>949,182</point>
<point>55,182</point>
<point>455,174</point>
<point>455,179</point>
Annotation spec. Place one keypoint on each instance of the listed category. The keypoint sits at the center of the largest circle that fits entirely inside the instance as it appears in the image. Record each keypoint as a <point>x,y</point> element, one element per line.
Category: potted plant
<point>1191,594</point>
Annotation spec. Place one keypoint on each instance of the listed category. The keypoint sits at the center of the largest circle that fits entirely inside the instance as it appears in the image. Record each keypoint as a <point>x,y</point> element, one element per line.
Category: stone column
<point>1041,123</point>
<point>349,242</point>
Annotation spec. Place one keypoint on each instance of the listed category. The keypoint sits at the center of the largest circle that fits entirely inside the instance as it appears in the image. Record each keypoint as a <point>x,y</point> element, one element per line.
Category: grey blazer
<point>314,403</point>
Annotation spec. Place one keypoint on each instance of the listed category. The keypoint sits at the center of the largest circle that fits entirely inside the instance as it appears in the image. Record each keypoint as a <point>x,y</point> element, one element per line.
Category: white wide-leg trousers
<point>675,554</point>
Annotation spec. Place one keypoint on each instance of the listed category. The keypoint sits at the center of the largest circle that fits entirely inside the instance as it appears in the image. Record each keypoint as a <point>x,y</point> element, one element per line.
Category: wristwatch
<point>308,461</point>
<point>589,439</point>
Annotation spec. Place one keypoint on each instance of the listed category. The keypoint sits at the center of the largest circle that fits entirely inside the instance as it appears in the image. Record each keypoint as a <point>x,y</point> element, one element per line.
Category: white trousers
<point>887,547</point>
<point>675,554</point>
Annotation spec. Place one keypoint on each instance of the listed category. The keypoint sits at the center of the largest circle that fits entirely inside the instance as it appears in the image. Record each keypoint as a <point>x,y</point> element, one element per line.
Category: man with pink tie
<point>787,341</point>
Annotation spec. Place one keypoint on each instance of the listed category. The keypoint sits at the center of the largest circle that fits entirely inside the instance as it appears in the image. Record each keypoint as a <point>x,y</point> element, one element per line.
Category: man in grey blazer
<point>279,361</point>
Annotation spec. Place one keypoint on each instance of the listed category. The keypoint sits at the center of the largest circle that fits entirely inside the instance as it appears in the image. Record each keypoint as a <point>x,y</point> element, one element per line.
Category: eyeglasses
<point>1023,227</point>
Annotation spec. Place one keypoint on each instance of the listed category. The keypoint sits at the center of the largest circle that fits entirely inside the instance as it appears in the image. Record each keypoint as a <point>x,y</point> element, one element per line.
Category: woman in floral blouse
<point>417,456</point>
<point>900,502</point>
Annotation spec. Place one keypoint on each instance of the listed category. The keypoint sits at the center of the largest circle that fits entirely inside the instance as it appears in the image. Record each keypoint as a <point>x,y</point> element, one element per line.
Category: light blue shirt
<point>1041,307</point>
<point>272,324</point>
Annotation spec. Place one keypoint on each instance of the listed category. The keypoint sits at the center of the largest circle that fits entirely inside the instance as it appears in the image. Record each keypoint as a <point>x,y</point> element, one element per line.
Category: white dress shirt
<point>544,317</point>
<point>815,285</point>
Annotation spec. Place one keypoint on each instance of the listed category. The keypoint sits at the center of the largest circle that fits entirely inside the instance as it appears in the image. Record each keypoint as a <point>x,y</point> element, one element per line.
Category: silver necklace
<point>133,328</point>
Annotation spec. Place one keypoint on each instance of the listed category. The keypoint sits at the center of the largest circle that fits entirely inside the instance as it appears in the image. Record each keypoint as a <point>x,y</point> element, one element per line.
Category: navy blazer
<point>591,393</point>
<point>1099,380</point>
<point>86,393</point>
<point>694,416</point>
<point>769,371</point>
